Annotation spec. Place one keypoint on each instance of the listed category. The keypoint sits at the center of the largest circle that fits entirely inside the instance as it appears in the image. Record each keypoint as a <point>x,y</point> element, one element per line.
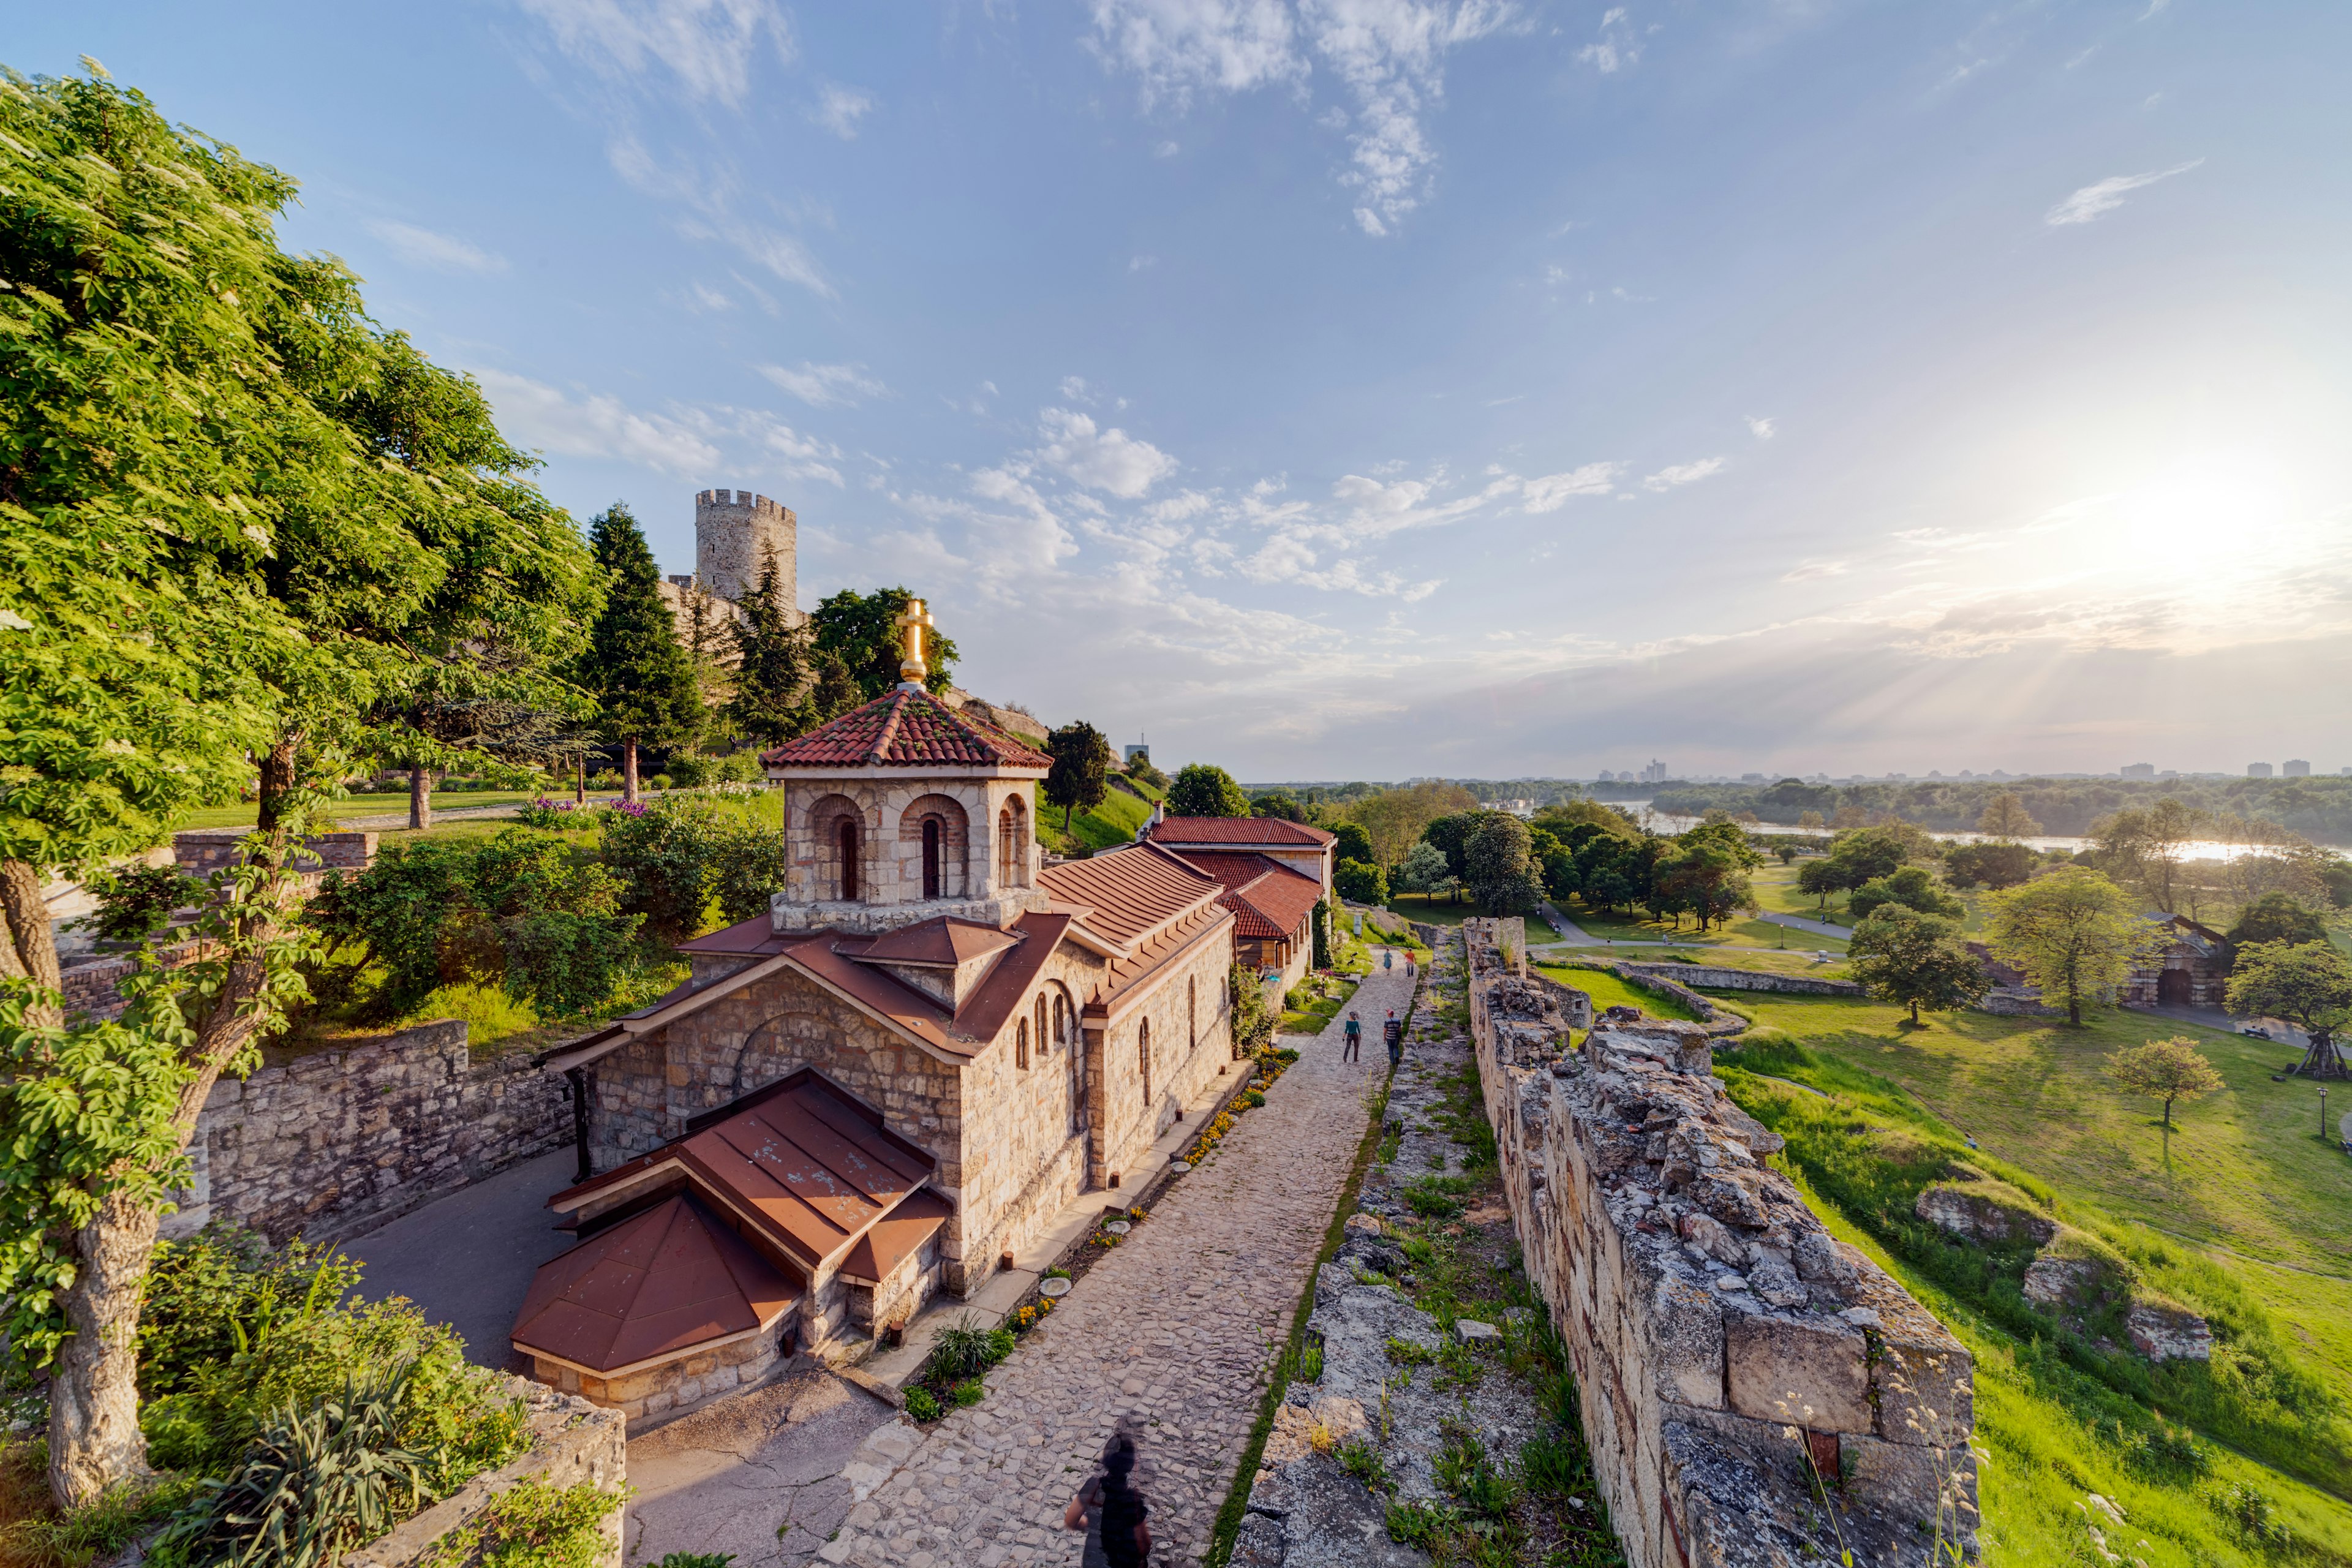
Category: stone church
<point>888,1084</point>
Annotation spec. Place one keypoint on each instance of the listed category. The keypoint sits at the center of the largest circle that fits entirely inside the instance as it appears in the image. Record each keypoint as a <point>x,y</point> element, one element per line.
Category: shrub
<point>1251,1099</point>
<point>971,1391</point>
<point>697,1560</point>
<point>222,1292</point>
<point>535,1525</point>
<point>922,1404</point>
<point>546,815</point>
<point>747,864</point>
<point>134,902</point>
<point>315,1481</point>
<point>961,1351</point>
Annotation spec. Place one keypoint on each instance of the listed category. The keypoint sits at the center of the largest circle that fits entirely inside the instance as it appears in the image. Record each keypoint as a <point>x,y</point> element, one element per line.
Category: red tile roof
<point>1270,900</point>
<point>1130,893</point>
<point>1250,831</point>
<point>657,1285</point>
<point>906,728</point>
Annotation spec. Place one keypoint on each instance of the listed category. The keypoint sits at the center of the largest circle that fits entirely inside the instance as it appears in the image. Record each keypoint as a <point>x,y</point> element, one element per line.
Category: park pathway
<point>1175,1331</point>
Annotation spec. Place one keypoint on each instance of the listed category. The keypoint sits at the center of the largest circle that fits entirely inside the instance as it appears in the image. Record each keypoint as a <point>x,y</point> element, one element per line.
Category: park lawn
<point>1776,889</point>
<point>1608,991</point>
<point>1431,910</point>
<point>1106,826</point>
<point>244,814</point>
<point>1313,1003</point>
<point>1747,934</point>
<point>2246,1169</point>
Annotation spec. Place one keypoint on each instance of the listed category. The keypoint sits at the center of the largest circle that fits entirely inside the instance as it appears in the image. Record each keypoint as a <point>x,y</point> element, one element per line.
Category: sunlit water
<point>2196,849</point>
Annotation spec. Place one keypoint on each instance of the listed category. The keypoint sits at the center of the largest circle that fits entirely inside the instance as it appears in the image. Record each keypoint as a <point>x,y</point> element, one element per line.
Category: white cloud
<point>1762,427</point>
<point>1109,460</point>
<point>1552,491</point>
<point>820,385</point>
<point>710,46</point>
<point>1388,53</point>
<point>2092,202</point>
<point>839,109</point>
<point>1618,47</point>
<point>686,441</point>
<point>1674,474</point>
<point>718,213</point>
<point>1138,263</point>
<point>427,248</point>
<point>1076,389</point>
<point>1812,570</point>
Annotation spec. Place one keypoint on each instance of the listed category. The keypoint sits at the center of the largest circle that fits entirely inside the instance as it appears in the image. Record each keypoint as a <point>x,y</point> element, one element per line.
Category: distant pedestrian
<point>1388,958</point>
<point>1354,1036</point>
<point>1393,1033</point>
<point>1112,1512</point>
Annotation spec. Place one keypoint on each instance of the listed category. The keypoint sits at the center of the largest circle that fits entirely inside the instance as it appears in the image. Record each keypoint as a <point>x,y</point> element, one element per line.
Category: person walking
<point>1393,1034</point>
<point>1388,958</point>
<point>1112,1512</point>
<point>1353,1036</point>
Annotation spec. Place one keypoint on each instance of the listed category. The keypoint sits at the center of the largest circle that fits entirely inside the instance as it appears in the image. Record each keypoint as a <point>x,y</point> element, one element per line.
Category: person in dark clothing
<point>1112,1512</point>
<point>1353,1035</point>
<point>1392,1035</point>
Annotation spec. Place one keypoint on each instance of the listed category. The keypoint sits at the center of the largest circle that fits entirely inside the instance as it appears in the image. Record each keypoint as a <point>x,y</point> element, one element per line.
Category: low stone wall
<point>1718,1020</point>
<point>1744,979</point>
<point>200,851</point>
<point>93,988</point>
<point>574,1441</point>
<point>1734,1361</point>
<point>332,1143</point>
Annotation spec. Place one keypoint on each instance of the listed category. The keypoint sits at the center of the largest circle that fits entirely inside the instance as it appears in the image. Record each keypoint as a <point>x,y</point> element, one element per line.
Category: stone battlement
<point>759,504</point>
<point>1754,1392</point>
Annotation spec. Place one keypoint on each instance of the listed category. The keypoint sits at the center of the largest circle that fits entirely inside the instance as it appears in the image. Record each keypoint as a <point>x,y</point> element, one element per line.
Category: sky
<point>1375,389</point>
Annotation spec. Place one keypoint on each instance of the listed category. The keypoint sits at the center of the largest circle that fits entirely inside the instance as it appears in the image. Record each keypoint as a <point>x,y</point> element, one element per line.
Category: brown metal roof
<point>805,1164</point>
<point>659,1285</point>
<point>942,939</point>
<point>892,1239</point>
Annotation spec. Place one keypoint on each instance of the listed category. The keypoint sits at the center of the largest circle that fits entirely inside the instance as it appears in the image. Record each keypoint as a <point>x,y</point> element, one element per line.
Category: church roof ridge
<point>905,727</point>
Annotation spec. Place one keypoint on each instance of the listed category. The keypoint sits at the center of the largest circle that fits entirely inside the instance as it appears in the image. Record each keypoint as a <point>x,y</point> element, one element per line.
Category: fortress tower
<point>733,532</point>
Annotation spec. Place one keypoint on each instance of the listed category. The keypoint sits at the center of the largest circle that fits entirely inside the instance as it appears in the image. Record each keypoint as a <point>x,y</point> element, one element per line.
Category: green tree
<point>1451,834</point>
<point>1498,868</point>
<point>634,663</point>
<point>776,661</point>
<point>1916,960</point>
<point>1563,818</point>
<point>1360,882</point>
<point>2005,817</point>
<point>1396,818</point>
<point>862,631</point>
<point>1204,789</point>
<point>475,708</point>
<point>1142,771</point>
<point>232,510</point>
<point>1350,842</point>
<point>1278,803</point>
<point>1988,864</point>
<point>1080,777</point>
<point>1912,887</point>
<point>1821,879</point>
<point>2073,933</point>
<point>1422,870</point>
<point>2308,983</point>
<point>1708,879</point>
<point>2145,844</point>
<point>2165,1070</point>
<point>2277,917</point>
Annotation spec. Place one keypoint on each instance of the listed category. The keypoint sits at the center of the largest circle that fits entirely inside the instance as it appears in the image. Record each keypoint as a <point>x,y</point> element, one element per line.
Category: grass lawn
<point>1749,933</point>
<point>1606,991</point>
<point>1431,910</point>
<point>1313,1003</point>
<point>243,814</point>
<point>1148,790</point>
<point>1106,826</point>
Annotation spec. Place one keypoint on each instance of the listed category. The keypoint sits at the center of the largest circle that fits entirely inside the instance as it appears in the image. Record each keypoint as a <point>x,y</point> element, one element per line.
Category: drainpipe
<point>579,1076</point>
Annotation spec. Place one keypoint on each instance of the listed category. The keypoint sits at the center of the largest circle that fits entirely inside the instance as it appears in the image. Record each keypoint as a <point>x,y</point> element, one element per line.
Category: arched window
<point>1191,1015</point>
<point>1061,1020</point>
<point>1143,1057</point>
<point>1045,1042</point>
<point>931,858</point>
<point>1021,1045</point>
<point>848,831</point>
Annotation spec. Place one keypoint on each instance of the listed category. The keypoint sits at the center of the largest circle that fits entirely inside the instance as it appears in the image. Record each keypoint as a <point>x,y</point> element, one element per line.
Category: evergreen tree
<point>635,664</point>
<point>1081,767</point>
<point>773,674</point>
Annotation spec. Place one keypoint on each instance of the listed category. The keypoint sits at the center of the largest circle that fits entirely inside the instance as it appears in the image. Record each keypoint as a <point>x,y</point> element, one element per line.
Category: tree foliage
<point>1360,882</point>
<point>1916,960</point>
<point>2277,917</point>
<point>1350,842</point>
<point>644,682</point>
<point>1910,886</point>
<point>2073,933</point>
<point>1204,789</point>
<point>2005,817</point>
<point>1397,818</point>
<point>1988,865</point>
<point>861,631</point>
<point>1279,802</point>
<point>2164,1070</point>
<point>2308,983</point>
<point>1080,777</point>
<point>1423,871</point>
<point>784,684</point>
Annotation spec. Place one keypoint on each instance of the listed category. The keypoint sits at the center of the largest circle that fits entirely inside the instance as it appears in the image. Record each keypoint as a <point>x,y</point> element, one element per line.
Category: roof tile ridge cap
<point>888,734</point>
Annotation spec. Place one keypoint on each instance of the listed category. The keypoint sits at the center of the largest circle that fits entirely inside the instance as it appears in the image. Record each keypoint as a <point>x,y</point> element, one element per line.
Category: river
<point>2196,849</point>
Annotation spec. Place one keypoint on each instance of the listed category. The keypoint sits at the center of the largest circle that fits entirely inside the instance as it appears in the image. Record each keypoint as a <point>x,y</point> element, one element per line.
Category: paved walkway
<point>1175,1329</point>
<point>1805,923</point>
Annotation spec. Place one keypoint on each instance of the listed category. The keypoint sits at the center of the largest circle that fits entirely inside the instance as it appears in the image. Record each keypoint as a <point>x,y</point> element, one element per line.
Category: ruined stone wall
<point>1724,979</point>
<point>1744,1376</point>
<point>329,1143</point>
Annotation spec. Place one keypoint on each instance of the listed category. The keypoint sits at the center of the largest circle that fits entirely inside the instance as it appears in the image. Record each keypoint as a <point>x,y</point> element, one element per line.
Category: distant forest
<point>2320,809</point>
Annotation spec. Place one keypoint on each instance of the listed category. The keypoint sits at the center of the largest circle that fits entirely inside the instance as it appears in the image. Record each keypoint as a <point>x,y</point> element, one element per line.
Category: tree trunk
<point>629,769</point>
<point>94,1439</point>
<point>420,799</point>
<point>30,932</point>
<point>277,779</point>
<point>580,793</point>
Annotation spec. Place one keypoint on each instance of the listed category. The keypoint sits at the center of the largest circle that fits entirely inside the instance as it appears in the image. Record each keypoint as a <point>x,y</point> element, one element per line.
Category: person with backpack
<point>1112,1512</point>
<point>1393,1033</point>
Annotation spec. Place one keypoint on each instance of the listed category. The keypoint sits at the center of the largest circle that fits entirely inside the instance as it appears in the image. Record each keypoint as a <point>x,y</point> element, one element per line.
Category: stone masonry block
<point>1684,1328</point>
<point>1806,1369</point>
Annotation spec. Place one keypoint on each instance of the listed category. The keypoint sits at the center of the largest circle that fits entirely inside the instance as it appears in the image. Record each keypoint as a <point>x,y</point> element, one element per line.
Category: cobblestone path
<point>1176,1328</point>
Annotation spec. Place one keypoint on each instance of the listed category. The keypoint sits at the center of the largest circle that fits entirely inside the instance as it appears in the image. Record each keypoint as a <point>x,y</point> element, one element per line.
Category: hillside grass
<point>1440,910</point>
<point>1106,826</point>
<point>1608,991</point>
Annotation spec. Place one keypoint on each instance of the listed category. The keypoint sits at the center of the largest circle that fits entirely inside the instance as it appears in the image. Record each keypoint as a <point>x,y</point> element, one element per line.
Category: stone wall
<point>1734,1361</point>
<point>574,1441</point>
<point>330,1143</point>
<point>1744,979</point>
<point>733,537</point>
<point>888,815</point>
<point>200,851</point>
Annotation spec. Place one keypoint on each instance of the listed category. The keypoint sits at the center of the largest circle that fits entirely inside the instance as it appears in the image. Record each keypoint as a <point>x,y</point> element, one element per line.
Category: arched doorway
<point>2175,987</point>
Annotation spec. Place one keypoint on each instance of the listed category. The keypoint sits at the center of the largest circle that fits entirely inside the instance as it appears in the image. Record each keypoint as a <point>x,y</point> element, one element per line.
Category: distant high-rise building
<point>1140,751</point>
<point>2296,768</point>
<point>1655,772</point>
<point>2258,769</point>
<point>2136,771</point>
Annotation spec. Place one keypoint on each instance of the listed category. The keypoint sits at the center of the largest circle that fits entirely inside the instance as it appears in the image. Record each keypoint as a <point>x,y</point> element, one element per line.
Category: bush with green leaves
<point>223,1290</point>
<point>535,1524</point>
<point>134,902</point>
<point>922,1404</point>
<point>316,1480</point>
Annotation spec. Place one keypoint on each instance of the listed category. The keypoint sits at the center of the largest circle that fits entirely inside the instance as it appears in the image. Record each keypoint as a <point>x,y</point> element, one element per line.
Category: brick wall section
<point>573,1441</point>
<point>1723,1340</point>
<point>330,1143</point>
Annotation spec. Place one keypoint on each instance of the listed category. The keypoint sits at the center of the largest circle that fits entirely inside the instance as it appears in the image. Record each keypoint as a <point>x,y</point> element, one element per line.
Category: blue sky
<point>1367,388</point>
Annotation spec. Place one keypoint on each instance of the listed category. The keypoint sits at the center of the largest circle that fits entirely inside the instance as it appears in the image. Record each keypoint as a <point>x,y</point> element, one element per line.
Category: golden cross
<point>913,621</point>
